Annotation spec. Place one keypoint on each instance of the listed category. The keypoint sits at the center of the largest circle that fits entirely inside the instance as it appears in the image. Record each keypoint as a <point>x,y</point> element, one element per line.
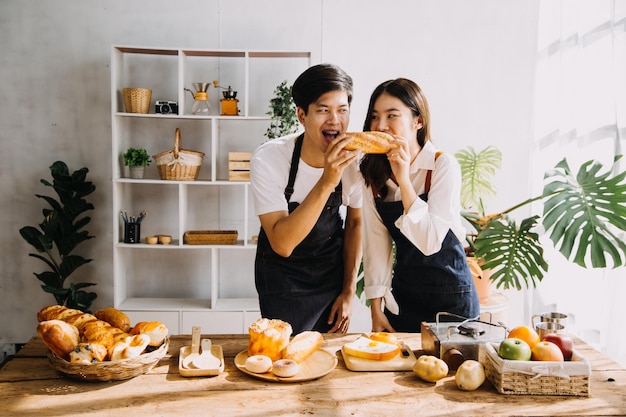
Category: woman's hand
<point>340,313</point>
<point>400,160</point>
<point>380,323</point>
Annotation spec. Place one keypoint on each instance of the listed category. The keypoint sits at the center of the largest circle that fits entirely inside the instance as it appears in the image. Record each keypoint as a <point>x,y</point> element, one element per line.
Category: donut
<point>258,364</point>
<point>285,368</point>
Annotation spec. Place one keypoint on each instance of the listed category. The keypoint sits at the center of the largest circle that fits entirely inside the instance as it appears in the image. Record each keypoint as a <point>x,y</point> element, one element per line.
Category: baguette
<point>367,348</point>
<point>303,345</point>
<point>369,142</point>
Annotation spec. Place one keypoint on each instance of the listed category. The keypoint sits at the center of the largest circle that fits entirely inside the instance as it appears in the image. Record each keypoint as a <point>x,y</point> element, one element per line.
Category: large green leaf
<point>477,173</point>
<point>513,254</point>
<point>584,213</point>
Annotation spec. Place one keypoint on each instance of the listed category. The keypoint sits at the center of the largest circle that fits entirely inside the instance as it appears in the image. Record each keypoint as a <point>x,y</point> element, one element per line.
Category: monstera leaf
<point>478,170</point>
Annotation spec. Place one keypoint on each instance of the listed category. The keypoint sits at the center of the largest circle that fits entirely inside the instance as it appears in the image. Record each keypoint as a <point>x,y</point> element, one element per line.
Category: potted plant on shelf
<point>582,213</point>
<point>283,112</point>
<point>136,160</point>
<point>61,231</point>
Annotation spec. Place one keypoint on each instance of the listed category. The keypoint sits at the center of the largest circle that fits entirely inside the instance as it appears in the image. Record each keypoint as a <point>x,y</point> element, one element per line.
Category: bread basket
<point>179,164</point>
<point>137,100</point>
<point>110,370</point>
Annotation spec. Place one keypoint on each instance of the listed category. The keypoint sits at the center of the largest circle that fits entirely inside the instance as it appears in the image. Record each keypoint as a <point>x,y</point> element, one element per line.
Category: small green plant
<point>283,112</point>
<point>136,157</point>
<point>61,231</point>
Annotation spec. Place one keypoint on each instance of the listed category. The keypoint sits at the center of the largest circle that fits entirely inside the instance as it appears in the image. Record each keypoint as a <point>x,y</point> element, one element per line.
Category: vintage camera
<point>166,107</point>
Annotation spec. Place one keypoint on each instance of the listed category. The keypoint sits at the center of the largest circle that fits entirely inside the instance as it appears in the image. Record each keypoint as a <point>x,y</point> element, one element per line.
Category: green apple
<point>514,349</point>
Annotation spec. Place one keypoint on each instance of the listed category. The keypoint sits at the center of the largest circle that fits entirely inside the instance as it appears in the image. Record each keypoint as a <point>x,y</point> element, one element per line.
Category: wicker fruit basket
<point>110,370</point>
<point>137,100</point>
<point>179,164</point>
<point>536,377</point>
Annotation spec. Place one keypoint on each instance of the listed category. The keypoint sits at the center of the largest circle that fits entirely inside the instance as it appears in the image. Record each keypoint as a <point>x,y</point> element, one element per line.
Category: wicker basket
<point>137,100</point>
<point>110,370</point>
<point>179,164</point>
<point>536,377</point>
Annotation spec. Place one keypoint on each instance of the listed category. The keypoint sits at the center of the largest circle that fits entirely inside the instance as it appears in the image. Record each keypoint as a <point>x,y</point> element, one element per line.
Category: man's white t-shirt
<point>269,173</point>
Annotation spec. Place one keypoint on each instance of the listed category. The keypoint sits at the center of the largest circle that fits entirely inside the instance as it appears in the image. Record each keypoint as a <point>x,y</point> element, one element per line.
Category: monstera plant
<point>60,231</point>
<point>583,213</point>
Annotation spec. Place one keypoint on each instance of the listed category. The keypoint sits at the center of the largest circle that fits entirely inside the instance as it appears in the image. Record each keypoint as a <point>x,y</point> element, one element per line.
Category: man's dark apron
<point>425,285</point>
<point>301,289</point>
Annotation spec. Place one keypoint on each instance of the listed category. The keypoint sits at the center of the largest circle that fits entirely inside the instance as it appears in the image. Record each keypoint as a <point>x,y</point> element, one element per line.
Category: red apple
<point>565,343</point>
<point>547,351</point>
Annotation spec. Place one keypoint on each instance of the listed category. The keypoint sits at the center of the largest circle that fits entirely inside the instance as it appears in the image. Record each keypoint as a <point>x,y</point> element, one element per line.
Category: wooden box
<point>239,166</point>
<point>210,237</point>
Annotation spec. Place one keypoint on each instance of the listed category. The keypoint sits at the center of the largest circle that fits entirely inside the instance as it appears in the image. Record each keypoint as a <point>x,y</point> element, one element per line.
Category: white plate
<point>320,363</point>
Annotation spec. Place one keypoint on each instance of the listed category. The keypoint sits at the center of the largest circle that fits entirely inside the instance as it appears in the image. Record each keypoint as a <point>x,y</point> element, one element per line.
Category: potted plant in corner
<point>61,231</point>
<point>136,160</point>
<point>582,213</point>
<point>283,113</point>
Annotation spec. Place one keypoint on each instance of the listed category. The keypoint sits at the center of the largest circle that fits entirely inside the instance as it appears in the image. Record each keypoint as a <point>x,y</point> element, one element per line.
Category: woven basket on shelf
<point>137,100</point>
<point>110,370</point>
<point>179,164</point>
<point>536,377</point>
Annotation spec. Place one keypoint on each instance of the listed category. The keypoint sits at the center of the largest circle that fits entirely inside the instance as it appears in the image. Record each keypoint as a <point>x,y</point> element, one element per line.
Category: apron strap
<point>429,174</point>
<point>295,159</point>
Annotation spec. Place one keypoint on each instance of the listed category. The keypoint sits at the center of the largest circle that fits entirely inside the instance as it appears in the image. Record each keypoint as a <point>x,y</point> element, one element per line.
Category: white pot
<point>136,172</point>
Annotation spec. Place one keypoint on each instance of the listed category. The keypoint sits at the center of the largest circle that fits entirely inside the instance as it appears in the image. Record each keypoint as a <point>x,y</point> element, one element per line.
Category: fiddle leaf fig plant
<point>283,112</point>
<point>60,232</point>
<point>582,213</point>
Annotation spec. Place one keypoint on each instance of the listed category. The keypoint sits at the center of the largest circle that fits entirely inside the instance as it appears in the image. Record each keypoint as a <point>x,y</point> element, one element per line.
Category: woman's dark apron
<point>425,285</point>
<point>301,289</point>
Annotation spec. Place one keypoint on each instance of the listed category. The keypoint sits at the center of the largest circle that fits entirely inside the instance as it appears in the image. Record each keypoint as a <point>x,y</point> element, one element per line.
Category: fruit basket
<point>110,370</point>
<point>536,377</point>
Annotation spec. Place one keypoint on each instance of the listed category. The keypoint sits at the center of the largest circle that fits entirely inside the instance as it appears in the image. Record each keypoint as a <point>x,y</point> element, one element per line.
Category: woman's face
<point>391,115</point>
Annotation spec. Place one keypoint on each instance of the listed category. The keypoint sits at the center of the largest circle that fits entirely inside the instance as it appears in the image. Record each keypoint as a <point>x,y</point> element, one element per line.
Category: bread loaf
<point>268,337</point>
<point>303,345</point>
<point>60,337</point>
<point>367,348</point>
<point>370,142</point>
<point>156,330</point>
<point>115,318</point>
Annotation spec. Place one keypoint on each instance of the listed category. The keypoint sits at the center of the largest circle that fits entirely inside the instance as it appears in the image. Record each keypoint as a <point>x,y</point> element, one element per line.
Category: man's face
<point>327,117</point>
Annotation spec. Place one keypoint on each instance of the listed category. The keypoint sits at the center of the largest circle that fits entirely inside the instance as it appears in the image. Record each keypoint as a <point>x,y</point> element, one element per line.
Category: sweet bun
<point>60,337</point>
<point>268,337</point>
<point>303,345</point>
<point>285,368</point>
<point>115,318</point>
<point>367,348</point>
<point>369,142</point>
<point>87,353</point>
<point>130,347</point>
<point>49,312</point>
<point>384,337</point>
<point>258,364</point>
<point>155,329</point>
<point>79,320</point>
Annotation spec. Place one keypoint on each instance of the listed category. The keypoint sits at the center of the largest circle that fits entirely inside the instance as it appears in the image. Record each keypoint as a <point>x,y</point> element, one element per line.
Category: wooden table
<point>29,387</point>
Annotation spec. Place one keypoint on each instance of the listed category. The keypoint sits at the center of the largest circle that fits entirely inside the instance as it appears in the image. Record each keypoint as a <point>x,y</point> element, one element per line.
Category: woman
<point>412,200</point>
<point>307,257</point>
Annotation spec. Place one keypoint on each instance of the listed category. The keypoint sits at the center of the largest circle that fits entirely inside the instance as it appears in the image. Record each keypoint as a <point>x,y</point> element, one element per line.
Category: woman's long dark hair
<point>375,168</point>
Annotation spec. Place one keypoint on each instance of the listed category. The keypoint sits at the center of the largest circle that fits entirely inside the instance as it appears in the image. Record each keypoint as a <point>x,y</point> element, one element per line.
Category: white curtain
<point>580,114</point>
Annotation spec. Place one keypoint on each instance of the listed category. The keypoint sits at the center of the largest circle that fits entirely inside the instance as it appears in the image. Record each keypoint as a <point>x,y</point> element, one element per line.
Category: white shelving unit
<point>211,286</point>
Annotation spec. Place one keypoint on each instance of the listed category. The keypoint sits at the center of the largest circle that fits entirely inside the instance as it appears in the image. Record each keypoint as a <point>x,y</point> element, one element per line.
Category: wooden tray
<point>216,350</point>
<point>210,237</point>
<point>403,361</point>
<point>320,363</point>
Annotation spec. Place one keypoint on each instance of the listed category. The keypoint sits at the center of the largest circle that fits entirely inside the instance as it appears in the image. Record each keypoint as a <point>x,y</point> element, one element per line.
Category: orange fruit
<point>526,333</point>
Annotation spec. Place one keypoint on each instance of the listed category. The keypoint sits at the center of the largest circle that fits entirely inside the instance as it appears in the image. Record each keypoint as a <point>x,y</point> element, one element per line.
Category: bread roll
<point>155,329</point>
<point>367,348</point>
<point>268,337</point>
<point>303,345</point>
<point>49,312</point>
<point>130,347</point>
<point>79,320</point>
<point>115,318</point>
<point>60,337</point>
<point>87,353</point>
<point>370,142</point>
<point>98,331</point>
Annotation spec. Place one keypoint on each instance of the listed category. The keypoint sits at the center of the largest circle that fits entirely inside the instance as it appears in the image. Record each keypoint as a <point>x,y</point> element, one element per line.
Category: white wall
<point>475,61</point>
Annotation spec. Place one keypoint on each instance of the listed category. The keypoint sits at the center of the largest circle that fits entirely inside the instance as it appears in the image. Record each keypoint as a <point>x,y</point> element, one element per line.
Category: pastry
<point>268,337</point>
<point>60,337</point>
<point>303,345</point>
<point>115,318</point>
<point>155,329</point>
<point>369,142</point>
<point>258,364</point>
<point>285,368</point>
<point>129,347</point>
<point>87,353</point>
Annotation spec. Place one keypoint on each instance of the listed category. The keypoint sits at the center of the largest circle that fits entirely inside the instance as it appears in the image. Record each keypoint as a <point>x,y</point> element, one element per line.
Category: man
<point>308,256</point>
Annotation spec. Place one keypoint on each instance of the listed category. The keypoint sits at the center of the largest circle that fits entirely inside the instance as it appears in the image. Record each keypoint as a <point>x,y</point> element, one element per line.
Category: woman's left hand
<point>400,159</point>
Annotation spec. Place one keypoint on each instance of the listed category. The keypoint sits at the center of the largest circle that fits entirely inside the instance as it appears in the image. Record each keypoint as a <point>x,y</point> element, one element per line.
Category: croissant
<point>369,142</point>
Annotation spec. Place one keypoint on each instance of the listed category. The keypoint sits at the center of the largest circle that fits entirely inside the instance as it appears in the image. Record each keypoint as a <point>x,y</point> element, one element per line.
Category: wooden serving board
<point>398,363</point>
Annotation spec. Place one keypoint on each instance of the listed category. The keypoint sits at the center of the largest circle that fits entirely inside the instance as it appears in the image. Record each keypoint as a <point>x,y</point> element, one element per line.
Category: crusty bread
<point>60,337</point>
<point>268,337</point>
<point>367,348</point>
<point>369,142</point>
<point>115,318</point>
<point>303,345</point>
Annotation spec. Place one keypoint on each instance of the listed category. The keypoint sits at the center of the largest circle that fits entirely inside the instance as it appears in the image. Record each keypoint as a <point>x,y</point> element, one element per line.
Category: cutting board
<point>397,363</point>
